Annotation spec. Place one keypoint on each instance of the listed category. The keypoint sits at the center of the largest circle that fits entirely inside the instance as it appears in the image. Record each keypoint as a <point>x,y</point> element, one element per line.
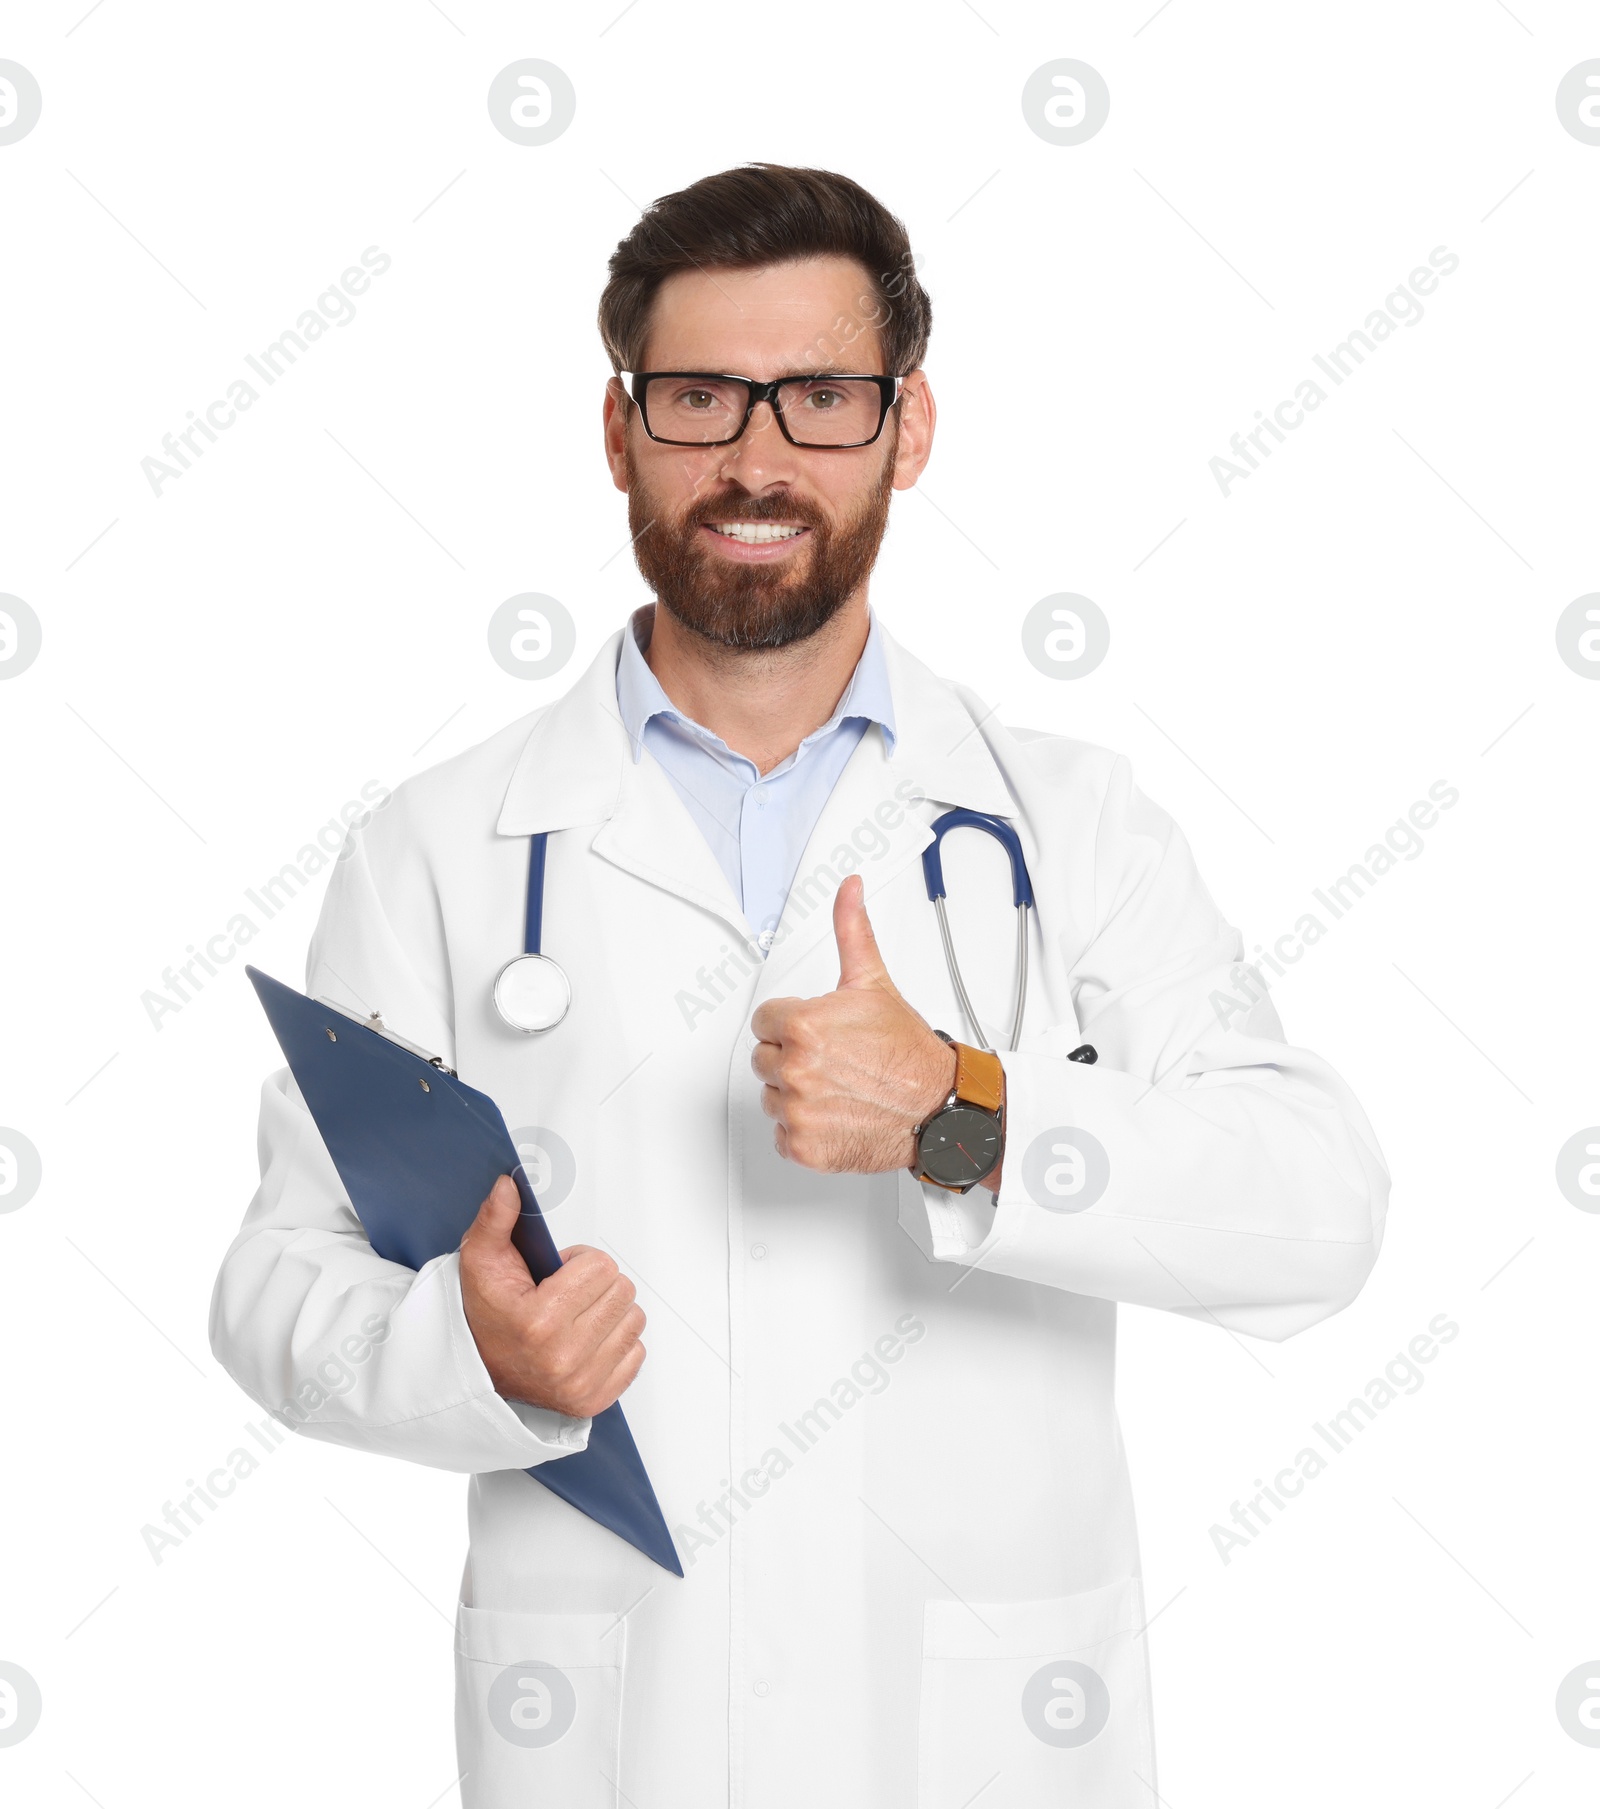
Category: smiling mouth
<point>755,533</point>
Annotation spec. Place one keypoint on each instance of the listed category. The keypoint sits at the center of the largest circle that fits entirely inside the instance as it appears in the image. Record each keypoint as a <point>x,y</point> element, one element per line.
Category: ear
<point>615,414</point>
<point>917,417</point>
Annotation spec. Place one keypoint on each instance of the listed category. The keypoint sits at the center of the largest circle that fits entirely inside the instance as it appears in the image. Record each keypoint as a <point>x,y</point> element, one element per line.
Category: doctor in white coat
<point>877,1412</point>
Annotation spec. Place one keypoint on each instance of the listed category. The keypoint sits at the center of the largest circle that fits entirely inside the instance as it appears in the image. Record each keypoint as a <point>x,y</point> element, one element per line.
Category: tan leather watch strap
<point>980,1082</point>
<point>980,1079</point>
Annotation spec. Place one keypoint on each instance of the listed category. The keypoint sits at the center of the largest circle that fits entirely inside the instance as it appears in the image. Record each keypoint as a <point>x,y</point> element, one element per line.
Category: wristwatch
<point>964,1139</point>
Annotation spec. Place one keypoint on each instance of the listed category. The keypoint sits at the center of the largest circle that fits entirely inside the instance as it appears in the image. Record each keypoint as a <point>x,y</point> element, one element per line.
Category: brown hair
<point>767,213</point>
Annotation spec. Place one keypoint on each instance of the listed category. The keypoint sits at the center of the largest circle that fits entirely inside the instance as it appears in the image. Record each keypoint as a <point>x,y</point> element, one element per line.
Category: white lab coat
<point>878,1417</point>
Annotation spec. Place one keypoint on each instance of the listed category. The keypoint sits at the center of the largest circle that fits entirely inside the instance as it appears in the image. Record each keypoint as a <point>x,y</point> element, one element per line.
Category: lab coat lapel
<point>941,758</point>
<point>945,736</point>
<point>577,768</point>
<point>653,837</point>
<point>570,769</point>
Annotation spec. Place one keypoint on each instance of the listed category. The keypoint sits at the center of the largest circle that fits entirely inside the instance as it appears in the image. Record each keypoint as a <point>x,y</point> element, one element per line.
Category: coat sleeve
<point>307,1318</point>
<point>1203,1165</point>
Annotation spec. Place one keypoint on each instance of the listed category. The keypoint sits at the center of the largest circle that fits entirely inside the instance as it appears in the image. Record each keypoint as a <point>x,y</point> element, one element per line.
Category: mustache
<point>754,508</point>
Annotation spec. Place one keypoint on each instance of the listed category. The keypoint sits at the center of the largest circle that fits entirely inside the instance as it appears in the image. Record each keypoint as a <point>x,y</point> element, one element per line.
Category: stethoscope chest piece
<point>532,993</point>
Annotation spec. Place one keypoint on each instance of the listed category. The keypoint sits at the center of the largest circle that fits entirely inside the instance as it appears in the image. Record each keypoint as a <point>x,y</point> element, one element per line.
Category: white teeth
<point>753,533</point>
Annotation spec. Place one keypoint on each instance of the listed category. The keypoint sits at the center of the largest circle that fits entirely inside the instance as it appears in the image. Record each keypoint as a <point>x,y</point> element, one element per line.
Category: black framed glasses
<point>710,408</point>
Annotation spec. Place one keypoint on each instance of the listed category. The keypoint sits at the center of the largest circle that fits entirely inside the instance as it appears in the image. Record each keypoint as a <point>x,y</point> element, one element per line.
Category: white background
<point>305,611</point>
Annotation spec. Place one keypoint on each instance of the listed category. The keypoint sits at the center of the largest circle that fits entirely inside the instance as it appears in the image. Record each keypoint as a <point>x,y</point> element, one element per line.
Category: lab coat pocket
<point>1046,1701</point>
<point>539,1709</point>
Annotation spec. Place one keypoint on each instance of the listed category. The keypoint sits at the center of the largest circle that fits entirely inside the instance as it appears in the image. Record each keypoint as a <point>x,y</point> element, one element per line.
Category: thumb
<point>489,1234</point>
<point>860,964</point>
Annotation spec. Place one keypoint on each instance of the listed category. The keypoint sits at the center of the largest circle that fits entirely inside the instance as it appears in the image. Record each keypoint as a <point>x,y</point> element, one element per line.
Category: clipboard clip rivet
<point>424,1086</point>
<point>331,1037</point>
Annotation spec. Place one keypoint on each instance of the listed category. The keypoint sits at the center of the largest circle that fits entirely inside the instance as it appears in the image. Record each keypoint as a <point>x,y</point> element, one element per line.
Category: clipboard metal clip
<point>374,1021</point>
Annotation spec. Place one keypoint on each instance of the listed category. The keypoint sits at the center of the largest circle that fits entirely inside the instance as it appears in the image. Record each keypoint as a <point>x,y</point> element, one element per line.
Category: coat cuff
<point>956,1223</point>
<point>971,1227</point>
<point>516,1436</point>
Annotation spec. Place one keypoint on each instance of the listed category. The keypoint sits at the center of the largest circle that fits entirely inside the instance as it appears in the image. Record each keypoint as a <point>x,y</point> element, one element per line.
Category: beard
<point>755,606</point>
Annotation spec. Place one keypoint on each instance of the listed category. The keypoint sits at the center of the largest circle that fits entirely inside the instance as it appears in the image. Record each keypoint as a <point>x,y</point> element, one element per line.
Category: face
<point>761,543</point>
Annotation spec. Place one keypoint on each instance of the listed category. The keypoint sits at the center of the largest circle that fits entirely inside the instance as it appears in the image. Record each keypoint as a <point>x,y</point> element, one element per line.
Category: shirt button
<point>757,1251</point>
<point>760,1686</point>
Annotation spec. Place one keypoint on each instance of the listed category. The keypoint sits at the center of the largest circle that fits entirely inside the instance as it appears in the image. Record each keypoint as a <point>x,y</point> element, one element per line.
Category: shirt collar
<point>640,697</point>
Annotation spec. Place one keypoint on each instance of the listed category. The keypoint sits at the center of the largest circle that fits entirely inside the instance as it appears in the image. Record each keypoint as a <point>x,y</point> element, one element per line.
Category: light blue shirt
<point>756,825</point>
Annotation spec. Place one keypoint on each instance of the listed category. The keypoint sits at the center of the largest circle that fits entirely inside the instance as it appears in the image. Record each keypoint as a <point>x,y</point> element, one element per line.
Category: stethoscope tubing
<point>1021,897</point>
<point>533,920</point>
<point>960,984</point>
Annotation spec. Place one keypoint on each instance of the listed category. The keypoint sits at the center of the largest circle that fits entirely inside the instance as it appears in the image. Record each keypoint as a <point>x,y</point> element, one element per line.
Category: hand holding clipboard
<point>418,1150</point>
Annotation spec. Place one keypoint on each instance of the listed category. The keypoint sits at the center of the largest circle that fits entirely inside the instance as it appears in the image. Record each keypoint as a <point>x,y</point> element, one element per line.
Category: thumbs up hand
<point>849,1076</point>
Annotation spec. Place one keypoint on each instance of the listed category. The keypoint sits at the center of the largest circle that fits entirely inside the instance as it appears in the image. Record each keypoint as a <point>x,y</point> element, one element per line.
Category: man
<point>877,1410</point>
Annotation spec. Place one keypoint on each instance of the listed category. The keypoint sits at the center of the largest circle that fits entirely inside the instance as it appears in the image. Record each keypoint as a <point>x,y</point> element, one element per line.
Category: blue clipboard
<point>418,1150</point>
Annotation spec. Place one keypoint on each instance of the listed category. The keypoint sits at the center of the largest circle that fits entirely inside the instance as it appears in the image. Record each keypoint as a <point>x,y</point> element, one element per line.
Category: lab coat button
<point>757,1251</point>
<point>760,1686</point>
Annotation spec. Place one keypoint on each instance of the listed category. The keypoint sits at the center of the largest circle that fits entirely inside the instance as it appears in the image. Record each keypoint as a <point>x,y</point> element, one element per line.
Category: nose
<point>761,456</point>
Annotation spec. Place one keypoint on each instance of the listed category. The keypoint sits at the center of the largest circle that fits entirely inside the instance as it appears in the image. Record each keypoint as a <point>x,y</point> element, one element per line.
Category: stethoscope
<point>532,992</point>
<point>1021,897</point>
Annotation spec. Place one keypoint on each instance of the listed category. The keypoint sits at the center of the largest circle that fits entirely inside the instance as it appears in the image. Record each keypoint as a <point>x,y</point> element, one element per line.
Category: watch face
<point>960,1145</point>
